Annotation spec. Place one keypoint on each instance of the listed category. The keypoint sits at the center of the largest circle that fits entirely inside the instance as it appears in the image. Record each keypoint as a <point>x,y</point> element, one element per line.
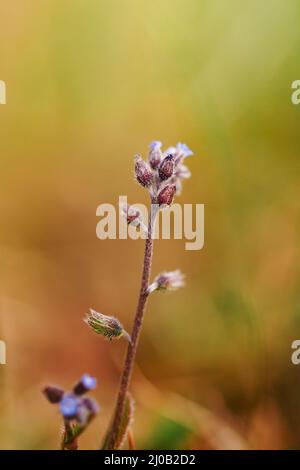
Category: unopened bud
<point>53,394</point>
<point>91,405</point>
<point>86,383</point>
<point>168,280</point>
<point>131,214</point>
<point>166,195</point>
<point>155,154</point>
<point>87,409</point>
<point>105,325</point>
<point>143,172</point>
<point>166,168</point>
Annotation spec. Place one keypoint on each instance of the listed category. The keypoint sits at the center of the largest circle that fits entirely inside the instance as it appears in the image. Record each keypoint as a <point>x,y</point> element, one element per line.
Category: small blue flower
<point>88,382</point>
<point>69,406</point>
<point>156,144</point>
<point>184,149</point>
<point>85,384</point>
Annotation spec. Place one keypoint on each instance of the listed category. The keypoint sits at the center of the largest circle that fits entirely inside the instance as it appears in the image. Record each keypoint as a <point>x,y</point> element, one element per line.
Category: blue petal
<point>69,406</point>
<point>185,149</point>
<point>156,144</point>
<point>89,382</point>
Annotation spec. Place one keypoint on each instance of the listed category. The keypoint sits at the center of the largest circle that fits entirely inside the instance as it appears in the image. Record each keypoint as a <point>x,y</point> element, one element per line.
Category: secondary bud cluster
<point>72,405</point>
<point>53,394</point>
<point>164,171</point>
<point>167,281</point>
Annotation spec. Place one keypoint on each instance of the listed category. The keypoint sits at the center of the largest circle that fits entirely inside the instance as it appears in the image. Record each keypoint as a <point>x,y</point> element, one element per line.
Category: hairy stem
<point>132,346</point>
<point>69,439</point>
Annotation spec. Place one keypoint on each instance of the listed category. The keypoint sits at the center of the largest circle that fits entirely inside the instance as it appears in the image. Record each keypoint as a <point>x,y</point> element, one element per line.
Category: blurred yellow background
<point>89,84</point>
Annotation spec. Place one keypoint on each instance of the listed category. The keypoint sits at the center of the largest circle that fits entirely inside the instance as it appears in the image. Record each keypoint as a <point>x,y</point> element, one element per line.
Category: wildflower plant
<point>161,176</point>
<point>76,409</point>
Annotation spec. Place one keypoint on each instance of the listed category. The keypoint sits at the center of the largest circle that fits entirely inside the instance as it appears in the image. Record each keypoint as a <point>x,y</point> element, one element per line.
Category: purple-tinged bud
<point>155,154</point>
<point>131,214</point>
<point>53,394</point>
<point>91,405</point>
<point>87,409</point>
<point>143,172</point>
<point>156,144</point>
<point>171,280</point>
<point>85,384</point>
<point>166,195</point>
<point>69,406</point>
<point>166,168</point>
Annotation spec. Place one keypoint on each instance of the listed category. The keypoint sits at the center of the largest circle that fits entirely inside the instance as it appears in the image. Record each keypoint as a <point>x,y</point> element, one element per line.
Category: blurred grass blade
<point>124,425</point>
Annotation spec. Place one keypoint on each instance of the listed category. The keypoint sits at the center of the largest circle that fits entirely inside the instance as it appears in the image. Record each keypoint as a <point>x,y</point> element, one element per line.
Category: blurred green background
<point>89,84</point>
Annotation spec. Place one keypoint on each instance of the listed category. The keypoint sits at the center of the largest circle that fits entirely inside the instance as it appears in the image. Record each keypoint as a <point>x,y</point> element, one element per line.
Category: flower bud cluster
<point>74,406</point>
<point>163,173</point>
